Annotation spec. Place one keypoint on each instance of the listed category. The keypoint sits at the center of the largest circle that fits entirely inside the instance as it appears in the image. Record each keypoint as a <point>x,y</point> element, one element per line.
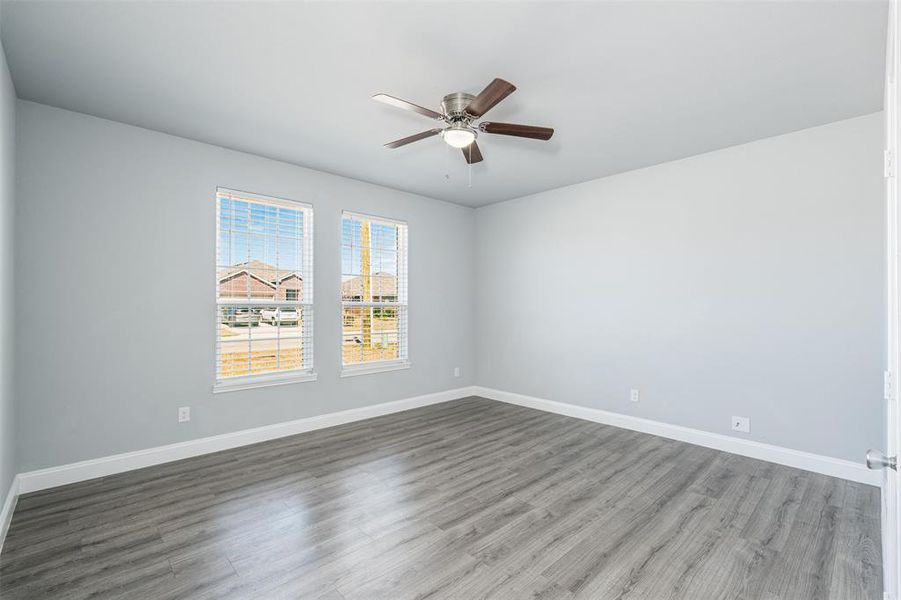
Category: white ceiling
<point>625,84</point>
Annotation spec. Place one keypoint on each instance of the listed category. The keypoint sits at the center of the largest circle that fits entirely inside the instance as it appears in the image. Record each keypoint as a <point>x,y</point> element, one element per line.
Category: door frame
<point>891,519</point>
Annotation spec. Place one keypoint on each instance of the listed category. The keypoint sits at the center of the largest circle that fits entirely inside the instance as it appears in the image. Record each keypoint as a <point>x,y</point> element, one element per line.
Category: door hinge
<point>888,382</point>
<point>889,164</point>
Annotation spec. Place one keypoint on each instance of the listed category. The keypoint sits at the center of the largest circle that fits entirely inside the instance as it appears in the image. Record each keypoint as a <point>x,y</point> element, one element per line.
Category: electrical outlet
<point>456,371</point>
<point>184,414</point>
<point>742,424</point>
<point>634,396</point>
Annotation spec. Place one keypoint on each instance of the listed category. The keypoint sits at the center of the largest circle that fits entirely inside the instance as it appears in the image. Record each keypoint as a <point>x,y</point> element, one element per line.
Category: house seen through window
<point>264,291</point>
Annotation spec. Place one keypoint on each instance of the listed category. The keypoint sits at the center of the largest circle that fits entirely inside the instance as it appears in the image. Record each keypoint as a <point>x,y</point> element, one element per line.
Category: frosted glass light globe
<point>458,138</point>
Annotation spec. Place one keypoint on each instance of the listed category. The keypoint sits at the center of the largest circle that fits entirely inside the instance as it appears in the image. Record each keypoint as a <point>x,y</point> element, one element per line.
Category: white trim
<point>89,469</point>
<point>246,272</point>
<point>291,274</point>
<point>9,506</point>
<point>251,196</point>
<point>128,461</point>
<point>368,369</point>
<point>817,463</point>
<point>891,502</point>
<point>358,216</point>
<point>249,382</point>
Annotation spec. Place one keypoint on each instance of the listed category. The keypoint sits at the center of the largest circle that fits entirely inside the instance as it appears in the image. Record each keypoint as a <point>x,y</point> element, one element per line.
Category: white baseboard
<point>9,506</point>
<point>109,465</point>
<point>817,463</point>
<point>33,481</point>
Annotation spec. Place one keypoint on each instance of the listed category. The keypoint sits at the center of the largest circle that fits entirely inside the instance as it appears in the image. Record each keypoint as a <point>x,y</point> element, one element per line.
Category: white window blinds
<point>264,287</point>
<point>373,291</point>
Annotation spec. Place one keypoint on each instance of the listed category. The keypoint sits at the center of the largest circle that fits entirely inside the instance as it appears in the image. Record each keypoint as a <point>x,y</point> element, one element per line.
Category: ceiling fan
<point>459,113</point>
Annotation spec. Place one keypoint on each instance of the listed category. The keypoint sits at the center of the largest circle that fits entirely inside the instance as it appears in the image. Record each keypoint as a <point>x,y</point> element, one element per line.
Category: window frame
<point>308,373</point>
<point>401,304</point>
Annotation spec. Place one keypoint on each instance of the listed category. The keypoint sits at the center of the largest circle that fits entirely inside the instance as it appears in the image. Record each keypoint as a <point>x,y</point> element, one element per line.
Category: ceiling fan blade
<point>526,131</point>
<point>413,138</point>
<point>496,91</point>
<point>472,154</point>
<point>398,103</point>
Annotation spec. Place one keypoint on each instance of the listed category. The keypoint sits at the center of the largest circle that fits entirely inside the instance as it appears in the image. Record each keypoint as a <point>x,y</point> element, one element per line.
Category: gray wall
<point>8,461</point>
<point>115,247</point>
<point>747,281</point>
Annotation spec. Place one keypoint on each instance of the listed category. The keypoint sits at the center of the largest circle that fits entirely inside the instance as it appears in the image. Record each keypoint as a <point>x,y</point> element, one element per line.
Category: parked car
<point>280,315</point>
<point>239,317</point>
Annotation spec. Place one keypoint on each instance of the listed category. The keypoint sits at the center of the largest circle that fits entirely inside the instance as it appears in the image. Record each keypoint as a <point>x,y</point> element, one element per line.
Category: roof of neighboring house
<point>381,284</point>
<point>259,270</point>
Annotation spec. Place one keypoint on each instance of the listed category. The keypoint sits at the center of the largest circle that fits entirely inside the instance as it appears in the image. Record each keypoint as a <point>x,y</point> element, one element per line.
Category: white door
<point>891,536</point>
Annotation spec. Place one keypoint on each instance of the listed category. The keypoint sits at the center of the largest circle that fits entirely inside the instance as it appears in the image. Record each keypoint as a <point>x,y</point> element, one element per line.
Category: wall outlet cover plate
<point>742,424</point>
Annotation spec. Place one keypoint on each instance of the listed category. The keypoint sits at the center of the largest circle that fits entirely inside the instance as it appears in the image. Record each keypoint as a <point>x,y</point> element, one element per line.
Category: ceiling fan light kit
<point>459,112</point>
<point>458,136</point>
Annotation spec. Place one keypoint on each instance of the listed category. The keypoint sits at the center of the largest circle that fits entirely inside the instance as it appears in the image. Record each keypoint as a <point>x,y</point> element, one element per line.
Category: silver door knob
<point>878,460</point>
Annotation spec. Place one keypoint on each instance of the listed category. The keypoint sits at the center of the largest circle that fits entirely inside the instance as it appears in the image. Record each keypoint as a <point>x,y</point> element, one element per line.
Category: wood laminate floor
<point>465,500</point>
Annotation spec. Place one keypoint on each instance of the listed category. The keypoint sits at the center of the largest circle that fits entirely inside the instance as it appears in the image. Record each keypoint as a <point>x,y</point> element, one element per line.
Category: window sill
<point>258,381</point>
<point>374,368</point>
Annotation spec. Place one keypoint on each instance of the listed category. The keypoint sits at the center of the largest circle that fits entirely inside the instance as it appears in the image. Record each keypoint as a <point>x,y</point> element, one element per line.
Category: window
<point>373,294</point>
<point>264,290</point>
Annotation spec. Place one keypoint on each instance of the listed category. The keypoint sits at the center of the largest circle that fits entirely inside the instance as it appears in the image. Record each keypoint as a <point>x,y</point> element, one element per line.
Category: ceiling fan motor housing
<point>454,106</point>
